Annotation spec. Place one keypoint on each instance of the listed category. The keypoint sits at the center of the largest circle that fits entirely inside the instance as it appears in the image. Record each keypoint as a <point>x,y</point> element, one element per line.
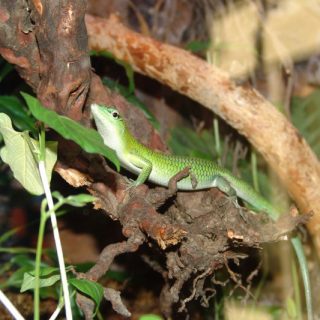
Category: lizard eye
<point>115,115</point>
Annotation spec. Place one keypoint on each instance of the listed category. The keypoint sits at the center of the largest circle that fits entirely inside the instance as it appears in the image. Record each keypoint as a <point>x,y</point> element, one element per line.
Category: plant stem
<point>297,245</point>
<point>217,139</point>
<point>36,302</point>
<point>57,240</point>
<point>54,224</point>
<point>296,289</point>
<point>254,171</point>
<point>10,307</point>
<point>57,311</point>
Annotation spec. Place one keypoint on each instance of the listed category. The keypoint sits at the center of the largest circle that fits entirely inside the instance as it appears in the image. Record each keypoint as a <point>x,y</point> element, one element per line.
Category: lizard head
<point>109,123</point>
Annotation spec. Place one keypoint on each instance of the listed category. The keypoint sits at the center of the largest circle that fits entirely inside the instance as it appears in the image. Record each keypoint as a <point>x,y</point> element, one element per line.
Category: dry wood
<point>243,108</point>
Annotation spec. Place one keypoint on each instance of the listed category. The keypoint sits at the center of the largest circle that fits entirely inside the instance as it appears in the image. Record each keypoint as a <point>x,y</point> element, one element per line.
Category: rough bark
<point>243,108</point>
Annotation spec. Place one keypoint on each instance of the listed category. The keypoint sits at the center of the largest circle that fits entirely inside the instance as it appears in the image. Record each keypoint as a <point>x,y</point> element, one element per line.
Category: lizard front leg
<point>144,164</point>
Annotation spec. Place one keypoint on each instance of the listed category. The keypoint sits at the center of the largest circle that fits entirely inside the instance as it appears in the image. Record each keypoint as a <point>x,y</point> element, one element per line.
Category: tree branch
<point>243,108</point>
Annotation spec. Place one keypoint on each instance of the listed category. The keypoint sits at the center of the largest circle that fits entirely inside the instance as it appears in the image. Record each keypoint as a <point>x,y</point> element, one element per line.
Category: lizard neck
<point>129,143</point>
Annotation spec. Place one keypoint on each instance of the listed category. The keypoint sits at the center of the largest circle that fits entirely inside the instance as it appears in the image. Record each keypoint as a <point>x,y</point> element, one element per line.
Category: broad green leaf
<point>93,289</point>
<point>20,153</point>
<point>23,260</point>
<point>16,279</point>
<point>13,107</point>
<point>45,271</point>
<point>26,265</point>
<point>29,281</point>
<point>76,311</point>
<point>89,139</point>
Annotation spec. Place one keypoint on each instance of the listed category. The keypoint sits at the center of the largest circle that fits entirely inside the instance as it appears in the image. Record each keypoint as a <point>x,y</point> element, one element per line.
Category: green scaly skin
<point>159,168</point>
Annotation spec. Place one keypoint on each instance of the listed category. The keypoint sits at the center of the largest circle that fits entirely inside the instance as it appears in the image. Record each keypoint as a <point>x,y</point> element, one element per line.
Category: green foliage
<point>44,281</point>
<point>15,280</point>
<point>78,200</point>
<point>20,153</point>
<point>150,317</point>
<point>92,289</point>
<point>198,46</point>
<point>89,139</point>
<point>22,263</point>
<point>7,235</point>
<point>305,113</point>
<point>13,107</point>
<point>131,98</point>
<point>5,69</point>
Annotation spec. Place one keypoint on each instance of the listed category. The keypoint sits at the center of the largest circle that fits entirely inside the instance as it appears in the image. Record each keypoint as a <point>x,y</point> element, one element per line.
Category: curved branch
<point>243,108</point>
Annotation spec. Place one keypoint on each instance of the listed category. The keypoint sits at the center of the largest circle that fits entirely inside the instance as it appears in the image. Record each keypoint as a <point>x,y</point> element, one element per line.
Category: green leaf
<point>198,46</point>
<point>5,69</point>
<point>79,200</point>
<point>93,289</point>
<point>7,235</point>
<point>16,279</point>
<point>29,281</point>
<point>89,139</point>
<point>57,195</point>
<point>20,153</point>
<point>150,317</point>
<point>23,260</point>
<point>45,271</point>
<point>13,107</point>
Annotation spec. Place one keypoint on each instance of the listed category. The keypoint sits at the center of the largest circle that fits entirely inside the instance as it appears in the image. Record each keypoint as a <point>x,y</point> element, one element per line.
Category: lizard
<point>159,168</point>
